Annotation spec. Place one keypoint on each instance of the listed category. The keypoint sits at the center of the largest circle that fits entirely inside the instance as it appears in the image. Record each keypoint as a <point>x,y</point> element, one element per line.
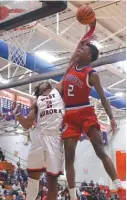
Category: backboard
<point>17,13</point>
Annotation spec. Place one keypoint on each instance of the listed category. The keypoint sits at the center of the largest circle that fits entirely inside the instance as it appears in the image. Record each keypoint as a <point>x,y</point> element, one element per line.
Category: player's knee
<point>34,175</point>
<point>69,158</point>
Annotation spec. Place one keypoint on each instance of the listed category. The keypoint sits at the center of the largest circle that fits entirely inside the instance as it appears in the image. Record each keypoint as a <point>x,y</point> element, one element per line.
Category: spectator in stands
<point>43,192</point>
<point>16,188</point>
<point>38,198</point>
<point>59,196</point>
<point>60,187</point>
<point>22,185</point>
<point>44,198</point>
<point>24,176</point>
<point>84,184</point>
<point>44,179</point>
<point>97,184</point>
<point>40,193</point>
<point>1,190</point>
<point>19,197</point>
<point>13,197</point>
<point>5,193</point>
<point>2,197</point>
<point>23,197</point>
<point>18,164</point>
<point>19,177</point>
<point>91,184</point>
<point>6,176</point>
<point>66,195</point>
<point>82,197</point>
<point>2,157</point>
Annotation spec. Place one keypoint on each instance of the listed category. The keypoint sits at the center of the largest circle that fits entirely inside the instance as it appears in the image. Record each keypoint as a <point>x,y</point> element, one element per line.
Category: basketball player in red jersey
<point>80,115</point>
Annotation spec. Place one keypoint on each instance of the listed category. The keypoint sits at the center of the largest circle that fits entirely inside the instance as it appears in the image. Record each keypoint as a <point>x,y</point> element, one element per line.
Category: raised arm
<point>27,122</point>
<point>85,40</point>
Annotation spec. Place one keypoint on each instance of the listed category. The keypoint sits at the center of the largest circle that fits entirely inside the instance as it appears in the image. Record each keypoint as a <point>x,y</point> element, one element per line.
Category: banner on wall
<point>7,95</point>
<point>23,100</point>
<point>121,164</point>
<point>6,100</point>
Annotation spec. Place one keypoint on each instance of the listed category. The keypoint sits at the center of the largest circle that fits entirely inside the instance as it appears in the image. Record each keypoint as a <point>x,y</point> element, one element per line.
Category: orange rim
<point>27,27</point>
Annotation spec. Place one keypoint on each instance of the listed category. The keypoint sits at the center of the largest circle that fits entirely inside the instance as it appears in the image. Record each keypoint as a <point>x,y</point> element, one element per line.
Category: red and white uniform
<point>80,115</point>
<point>46,151</point>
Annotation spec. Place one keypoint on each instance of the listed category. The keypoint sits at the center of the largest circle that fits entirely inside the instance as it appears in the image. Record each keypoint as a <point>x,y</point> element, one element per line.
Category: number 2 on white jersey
<point>71,90</point>
<point>49,104</point>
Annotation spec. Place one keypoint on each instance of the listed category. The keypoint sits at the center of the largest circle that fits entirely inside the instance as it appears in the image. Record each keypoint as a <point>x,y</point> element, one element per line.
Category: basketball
<point>85,15</point>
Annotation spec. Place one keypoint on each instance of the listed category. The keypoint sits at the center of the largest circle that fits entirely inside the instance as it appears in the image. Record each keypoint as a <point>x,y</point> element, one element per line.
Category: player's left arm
<point>84,41</point>
<point>95,81</point>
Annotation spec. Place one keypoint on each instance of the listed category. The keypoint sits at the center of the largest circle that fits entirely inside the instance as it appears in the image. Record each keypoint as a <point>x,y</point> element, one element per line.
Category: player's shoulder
<point>94,78</point>
<point>57,95</point>
<point>56,92</point>
<point>90,70</point>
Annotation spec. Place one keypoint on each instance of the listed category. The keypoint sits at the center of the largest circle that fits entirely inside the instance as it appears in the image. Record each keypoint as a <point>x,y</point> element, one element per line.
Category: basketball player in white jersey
<point>46,150</point>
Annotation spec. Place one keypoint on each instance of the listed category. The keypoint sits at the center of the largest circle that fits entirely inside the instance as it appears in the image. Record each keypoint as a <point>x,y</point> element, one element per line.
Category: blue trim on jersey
<point>92,71</point>
<point>77,105</point>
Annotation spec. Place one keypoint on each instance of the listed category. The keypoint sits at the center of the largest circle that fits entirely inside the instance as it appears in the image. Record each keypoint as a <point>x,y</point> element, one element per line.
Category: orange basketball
<point>85,15</point>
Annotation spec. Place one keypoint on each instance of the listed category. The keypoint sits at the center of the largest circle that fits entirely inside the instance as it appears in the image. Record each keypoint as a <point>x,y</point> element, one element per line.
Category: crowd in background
<point>18,191</point>
<point>18,187</point>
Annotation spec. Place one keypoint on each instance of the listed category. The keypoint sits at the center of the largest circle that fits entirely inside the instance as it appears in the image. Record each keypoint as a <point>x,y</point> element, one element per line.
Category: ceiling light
<point>119,94</point>
<point>97,44</point>
<point>48,57</point>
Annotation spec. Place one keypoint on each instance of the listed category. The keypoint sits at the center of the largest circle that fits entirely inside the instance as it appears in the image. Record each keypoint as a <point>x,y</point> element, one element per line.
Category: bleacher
<point>9,166</point>
<point>5,165</point>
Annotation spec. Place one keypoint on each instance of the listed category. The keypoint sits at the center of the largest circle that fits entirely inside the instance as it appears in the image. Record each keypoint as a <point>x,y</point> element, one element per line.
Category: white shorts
<point>46,154</point>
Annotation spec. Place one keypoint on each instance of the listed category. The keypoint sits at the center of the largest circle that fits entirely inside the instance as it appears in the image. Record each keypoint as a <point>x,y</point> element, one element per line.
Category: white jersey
<point>50,113</point>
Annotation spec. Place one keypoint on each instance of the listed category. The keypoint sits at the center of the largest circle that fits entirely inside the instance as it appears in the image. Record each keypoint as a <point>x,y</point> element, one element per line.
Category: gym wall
<point>88,166</point>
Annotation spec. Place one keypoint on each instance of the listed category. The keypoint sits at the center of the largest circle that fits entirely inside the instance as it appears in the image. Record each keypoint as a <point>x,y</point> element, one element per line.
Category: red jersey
<point>76,87</point>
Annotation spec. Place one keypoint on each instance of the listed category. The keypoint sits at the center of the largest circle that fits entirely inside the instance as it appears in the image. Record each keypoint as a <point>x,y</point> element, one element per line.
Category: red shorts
<point>79,121</point>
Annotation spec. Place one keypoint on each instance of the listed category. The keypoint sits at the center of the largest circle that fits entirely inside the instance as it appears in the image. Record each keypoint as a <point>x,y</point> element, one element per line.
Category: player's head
<point>86,53</point>
<point>42,88</point>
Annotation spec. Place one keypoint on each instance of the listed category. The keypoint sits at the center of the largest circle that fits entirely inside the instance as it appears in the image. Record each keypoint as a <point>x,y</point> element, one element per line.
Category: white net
<point>18,40</point>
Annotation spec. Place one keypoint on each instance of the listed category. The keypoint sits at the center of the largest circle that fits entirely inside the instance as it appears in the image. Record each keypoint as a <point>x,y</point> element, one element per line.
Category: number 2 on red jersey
<point>71,90</point>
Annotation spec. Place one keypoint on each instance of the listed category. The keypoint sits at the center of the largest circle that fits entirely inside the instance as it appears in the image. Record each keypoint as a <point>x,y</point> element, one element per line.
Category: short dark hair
<point>94,51</point>
<point>37,88</point>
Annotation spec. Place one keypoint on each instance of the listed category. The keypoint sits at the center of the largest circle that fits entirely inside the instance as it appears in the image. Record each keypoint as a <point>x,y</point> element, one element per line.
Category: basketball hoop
<point>18,40</point>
